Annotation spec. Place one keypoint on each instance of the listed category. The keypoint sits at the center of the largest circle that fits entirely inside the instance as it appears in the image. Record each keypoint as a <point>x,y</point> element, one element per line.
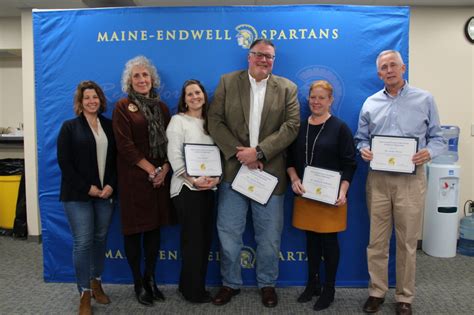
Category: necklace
<point>314,142</point>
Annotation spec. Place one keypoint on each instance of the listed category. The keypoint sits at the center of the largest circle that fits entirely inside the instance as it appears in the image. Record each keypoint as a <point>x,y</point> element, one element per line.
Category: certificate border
<point>201,144</point>
<point>263,204</point>
<point>338,186</point>
<point>396,172</point>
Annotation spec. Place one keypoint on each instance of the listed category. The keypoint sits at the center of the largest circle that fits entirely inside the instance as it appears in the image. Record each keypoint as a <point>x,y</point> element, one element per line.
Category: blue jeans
<point>89,222</point>
<point>268,226</point>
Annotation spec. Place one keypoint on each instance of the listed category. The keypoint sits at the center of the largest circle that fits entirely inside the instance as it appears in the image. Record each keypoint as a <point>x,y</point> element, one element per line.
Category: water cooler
<point>441,221</point>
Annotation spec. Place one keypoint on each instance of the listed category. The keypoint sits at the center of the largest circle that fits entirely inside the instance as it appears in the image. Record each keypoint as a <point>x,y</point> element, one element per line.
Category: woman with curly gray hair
<point>139,123</point>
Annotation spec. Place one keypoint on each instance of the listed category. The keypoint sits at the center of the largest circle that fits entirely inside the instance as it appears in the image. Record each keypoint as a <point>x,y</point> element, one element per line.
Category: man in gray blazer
<point>253,118</point>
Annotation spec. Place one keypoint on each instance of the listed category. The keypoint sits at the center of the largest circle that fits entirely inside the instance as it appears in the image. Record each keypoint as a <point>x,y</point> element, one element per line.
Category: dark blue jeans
<point>89,222</point>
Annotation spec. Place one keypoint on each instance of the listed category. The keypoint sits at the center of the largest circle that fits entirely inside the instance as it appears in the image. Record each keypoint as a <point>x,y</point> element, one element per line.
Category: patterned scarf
<point>150,108</point>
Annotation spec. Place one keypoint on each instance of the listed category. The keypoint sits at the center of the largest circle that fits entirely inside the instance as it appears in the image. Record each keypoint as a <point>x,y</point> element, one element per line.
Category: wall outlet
<point>472,130</point>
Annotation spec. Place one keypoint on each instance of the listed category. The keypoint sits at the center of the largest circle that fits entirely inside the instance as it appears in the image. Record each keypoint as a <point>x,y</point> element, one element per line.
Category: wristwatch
<point>259,153</point>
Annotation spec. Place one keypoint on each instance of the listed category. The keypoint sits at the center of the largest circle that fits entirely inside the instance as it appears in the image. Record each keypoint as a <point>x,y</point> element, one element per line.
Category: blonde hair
<point>322,84</point>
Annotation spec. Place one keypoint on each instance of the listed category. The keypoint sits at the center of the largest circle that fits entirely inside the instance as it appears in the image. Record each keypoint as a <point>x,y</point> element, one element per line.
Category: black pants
<point>195,214</point>
<point>322,246</point>
<point>133,250</point>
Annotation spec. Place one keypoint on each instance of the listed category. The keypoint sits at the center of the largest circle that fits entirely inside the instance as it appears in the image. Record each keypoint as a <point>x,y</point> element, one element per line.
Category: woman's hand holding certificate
<point>321,184</point>
<point>202,160</point>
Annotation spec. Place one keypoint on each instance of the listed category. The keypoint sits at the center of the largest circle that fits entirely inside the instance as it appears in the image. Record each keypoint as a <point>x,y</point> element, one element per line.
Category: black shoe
<point>205,298</point>
<point>143,297</point>
<point>326,298</point>
<point>149,285</point>
<point>313,288</point>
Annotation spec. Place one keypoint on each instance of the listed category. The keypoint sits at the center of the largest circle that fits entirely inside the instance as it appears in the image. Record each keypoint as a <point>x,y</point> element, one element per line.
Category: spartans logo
<point>247,257</point>
<point>246,34</point>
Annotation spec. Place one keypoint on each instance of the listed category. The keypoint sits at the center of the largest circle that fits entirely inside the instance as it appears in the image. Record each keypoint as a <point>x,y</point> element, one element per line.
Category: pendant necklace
<point>314,142</point>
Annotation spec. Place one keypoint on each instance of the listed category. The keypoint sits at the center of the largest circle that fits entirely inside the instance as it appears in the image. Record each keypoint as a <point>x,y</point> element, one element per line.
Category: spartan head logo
<point>247,257</point>
<point>246,34</point>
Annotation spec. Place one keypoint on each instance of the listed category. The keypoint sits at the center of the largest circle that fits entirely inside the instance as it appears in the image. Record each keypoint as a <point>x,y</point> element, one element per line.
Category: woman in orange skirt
<point>324,141</point>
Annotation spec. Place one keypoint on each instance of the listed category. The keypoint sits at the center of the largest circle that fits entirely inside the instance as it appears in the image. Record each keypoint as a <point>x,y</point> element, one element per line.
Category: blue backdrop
<point>335,43</point>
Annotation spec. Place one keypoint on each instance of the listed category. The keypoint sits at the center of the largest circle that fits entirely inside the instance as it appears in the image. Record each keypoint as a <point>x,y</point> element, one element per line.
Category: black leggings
<point>133,250</point>
<point>322,246</point>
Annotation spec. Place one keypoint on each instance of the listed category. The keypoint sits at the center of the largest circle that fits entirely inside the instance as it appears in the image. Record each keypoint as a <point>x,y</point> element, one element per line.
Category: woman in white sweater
<point>193,197</point>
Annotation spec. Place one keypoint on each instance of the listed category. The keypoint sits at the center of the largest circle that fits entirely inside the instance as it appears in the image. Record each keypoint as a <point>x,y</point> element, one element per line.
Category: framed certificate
<point>256,184</point>
<point>202,160</point>
<point>321,184</point>
<point>393,154</point>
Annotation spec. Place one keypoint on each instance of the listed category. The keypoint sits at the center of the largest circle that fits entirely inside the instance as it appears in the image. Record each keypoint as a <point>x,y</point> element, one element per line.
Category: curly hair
<point>139,61</point>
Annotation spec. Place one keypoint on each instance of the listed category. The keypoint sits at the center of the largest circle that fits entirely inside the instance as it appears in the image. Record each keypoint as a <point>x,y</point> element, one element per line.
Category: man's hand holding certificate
<point>202,160</point>
<point>256,184</point>
<point>393,154</point>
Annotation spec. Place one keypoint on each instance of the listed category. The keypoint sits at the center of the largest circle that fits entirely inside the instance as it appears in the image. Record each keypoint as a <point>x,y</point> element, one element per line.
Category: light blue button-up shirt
<point>411,113</point>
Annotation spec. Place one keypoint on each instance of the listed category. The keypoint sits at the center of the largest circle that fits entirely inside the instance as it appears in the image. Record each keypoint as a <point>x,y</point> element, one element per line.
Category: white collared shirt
<point>257,97</point>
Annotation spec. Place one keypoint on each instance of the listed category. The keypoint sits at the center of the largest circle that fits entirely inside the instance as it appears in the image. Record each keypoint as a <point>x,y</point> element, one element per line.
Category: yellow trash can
<point>9,186</point>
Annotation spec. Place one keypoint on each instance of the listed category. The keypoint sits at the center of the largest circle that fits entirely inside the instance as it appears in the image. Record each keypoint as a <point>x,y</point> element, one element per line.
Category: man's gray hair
<point>386,52</point>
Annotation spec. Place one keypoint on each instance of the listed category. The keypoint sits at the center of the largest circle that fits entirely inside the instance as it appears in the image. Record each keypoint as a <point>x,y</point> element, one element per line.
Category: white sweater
<point>183,129</point>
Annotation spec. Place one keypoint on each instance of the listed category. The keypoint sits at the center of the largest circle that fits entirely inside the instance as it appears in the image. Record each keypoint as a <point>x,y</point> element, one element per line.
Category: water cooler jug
<point>441,220</point>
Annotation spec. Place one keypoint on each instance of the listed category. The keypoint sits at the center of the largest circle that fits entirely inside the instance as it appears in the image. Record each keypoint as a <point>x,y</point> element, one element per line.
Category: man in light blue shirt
<point>397,110</point>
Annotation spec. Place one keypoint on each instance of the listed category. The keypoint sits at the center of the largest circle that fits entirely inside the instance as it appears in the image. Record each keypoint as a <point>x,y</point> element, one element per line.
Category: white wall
<point>10,33</point>
<point>441,61</point>
<point>29,118</point>
<point>11,97</point>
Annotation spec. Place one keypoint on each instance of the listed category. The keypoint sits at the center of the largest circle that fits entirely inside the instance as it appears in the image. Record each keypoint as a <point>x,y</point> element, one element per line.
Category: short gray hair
<point>141,61</point>
<point>386,52</point>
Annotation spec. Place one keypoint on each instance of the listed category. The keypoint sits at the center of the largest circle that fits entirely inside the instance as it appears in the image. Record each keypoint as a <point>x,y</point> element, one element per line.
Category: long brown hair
<point>182,108</point>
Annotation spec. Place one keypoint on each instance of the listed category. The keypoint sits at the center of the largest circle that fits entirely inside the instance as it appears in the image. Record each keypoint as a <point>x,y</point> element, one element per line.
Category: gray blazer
<point>229,122</point>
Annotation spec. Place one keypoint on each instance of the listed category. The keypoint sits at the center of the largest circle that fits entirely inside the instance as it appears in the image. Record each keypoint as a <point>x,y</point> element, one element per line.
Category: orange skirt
<point>310,215</point>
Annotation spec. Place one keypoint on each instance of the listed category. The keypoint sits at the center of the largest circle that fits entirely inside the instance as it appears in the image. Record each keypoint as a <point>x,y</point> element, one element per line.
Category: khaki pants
<point>394,199</point>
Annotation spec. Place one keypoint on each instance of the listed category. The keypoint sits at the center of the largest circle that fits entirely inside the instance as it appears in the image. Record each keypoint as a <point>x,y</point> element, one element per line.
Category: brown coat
<point>143,208</point>
<point>229,116</point>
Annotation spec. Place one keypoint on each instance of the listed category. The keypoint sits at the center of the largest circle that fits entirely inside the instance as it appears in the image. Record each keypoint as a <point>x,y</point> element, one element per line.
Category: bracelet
<point>153,174</point>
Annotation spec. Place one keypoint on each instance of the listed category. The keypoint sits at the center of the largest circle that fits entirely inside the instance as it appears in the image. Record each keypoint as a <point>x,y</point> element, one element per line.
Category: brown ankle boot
<point>98,293</point>
<point>85,306</point>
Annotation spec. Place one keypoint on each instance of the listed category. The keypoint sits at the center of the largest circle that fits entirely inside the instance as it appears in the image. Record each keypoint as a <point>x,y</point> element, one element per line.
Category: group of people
<point>254,119</point>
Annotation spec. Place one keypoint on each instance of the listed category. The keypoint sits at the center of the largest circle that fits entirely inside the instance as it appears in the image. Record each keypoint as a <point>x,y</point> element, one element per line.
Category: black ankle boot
<point>149,284</point>
<point>143,297</point>
<point>313,288</point>
<point>326,298</point>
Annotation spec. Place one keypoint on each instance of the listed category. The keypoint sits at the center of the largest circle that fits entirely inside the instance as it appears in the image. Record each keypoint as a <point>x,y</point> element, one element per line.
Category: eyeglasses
<point>260,55</point>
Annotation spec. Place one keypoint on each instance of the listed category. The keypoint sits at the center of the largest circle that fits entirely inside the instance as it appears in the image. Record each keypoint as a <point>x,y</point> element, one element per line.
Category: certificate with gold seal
<point>393,154</point>
<point>321,184</point>
<point>202,160</point>
<point>256,184</point>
